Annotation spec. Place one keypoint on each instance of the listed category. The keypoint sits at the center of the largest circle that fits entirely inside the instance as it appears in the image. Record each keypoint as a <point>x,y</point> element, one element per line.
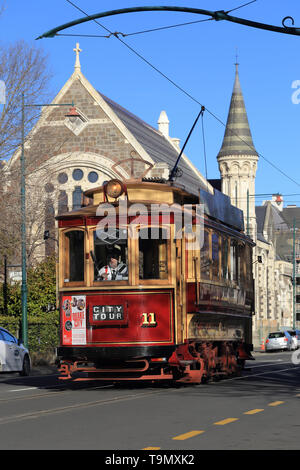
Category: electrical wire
<point>134,33</point>
<point>241,6</point>
<point>184,91</point>
<point>167,27</point>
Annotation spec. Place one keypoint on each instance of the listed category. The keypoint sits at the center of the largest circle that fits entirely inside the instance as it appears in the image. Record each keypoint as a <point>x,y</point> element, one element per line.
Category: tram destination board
<point>108,312</point>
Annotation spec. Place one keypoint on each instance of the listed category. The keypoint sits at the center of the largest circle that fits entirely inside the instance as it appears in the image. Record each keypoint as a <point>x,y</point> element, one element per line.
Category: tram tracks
<point>44,411</point>
<point>81,405</point>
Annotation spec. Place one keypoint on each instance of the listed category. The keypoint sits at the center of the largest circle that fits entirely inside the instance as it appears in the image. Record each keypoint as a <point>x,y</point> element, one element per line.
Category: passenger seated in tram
<point>115,269</point>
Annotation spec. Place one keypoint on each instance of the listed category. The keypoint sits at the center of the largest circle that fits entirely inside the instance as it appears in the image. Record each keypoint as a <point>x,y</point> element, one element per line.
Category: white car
<point>14,357</point>
<point>280,340</point>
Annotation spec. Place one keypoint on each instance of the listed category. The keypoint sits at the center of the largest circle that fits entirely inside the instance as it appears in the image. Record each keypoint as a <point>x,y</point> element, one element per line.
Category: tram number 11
<point>148,319</point>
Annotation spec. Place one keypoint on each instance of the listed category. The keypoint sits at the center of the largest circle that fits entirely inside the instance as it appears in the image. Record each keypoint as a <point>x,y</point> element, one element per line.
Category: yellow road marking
<point>151,448</point>
<point>187,435</point>
<point>276,403</point>
<point>253,412</point>
<point>226,421</point>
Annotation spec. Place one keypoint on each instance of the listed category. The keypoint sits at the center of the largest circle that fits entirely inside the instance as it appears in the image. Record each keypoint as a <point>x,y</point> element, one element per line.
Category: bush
<point>43,317</point>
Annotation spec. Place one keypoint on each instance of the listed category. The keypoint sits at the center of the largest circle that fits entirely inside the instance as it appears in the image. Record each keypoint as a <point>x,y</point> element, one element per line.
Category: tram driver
<point>115,269</point>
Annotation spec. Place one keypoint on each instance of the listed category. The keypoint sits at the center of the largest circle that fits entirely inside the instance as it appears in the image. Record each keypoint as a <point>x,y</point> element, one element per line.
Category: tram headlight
<point>114,188</point>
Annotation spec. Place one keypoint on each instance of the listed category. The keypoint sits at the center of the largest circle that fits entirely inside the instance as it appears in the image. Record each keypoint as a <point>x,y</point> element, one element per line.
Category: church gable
<point>99,136</point>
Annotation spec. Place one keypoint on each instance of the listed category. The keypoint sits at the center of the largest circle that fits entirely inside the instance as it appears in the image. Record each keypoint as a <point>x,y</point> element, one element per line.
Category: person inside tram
<point>115,269</point>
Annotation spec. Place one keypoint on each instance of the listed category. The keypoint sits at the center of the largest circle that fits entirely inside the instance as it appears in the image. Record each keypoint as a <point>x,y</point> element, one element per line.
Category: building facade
<point>273,273</point>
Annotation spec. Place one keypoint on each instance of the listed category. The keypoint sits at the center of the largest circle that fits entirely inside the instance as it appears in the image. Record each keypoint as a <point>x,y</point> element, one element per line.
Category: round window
<point>62,178</point>
<point>77,174</point>
<point>93,177</point>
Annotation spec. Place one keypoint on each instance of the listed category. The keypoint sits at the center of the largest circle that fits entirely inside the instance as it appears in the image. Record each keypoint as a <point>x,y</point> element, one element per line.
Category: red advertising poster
<point>74,319</point>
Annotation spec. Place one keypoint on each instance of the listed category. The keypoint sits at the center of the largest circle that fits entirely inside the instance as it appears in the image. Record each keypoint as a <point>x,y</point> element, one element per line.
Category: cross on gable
<point>77,50</point>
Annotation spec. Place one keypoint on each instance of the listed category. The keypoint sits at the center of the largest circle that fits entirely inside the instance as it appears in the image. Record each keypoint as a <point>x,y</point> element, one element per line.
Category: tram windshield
<point>110,255</point>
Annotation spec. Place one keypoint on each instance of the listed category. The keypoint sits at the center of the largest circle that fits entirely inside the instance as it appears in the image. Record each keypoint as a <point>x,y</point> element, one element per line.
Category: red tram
<point>155,283</point>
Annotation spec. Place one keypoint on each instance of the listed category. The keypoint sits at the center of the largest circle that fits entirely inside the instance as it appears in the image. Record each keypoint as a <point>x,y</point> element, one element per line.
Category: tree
<point>23,69</point>
<point>43,318</point>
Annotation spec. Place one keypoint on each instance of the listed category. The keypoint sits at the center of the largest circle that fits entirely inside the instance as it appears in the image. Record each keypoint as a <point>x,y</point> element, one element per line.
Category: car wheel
<point>26,367</point>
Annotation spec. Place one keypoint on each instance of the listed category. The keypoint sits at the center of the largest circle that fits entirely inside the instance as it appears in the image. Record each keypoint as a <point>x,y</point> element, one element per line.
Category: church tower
<point>238,159</point>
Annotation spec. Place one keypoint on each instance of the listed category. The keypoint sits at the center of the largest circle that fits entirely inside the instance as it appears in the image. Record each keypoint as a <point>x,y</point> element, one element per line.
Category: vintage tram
<point>155,283</point>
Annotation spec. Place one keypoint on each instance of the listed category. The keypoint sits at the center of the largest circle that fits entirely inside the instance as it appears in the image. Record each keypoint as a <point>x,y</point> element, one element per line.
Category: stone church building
<point>74,148</point>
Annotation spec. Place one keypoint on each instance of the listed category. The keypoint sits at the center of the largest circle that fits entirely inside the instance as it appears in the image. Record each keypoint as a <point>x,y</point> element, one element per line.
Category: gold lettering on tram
<point>148,319</point>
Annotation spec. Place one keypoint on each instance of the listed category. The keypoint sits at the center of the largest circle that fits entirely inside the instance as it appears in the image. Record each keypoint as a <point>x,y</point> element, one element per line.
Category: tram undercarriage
<point>193,362</point>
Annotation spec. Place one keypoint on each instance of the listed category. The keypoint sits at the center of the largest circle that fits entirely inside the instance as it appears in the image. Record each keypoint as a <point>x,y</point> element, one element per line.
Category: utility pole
<point>5,287</point>
<point>294,272</point>
<point>23,235</point>
<point>247,211</point>
<point>72,115</point>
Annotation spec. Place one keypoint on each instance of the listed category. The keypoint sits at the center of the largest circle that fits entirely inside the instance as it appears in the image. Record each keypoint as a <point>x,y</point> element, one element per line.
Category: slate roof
<point>278,220</point>
<point>291,213</point>
<point>237,138</point>
<point>260,212</point>
<point>156,145</point>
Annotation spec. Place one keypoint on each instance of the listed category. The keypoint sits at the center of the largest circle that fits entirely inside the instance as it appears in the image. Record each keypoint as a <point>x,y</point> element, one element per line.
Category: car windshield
<point>276,335</point>
<point>292,333</point>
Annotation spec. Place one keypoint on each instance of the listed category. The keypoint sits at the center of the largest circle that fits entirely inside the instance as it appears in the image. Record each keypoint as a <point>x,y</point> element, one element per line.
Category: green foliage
<point>43,318</point>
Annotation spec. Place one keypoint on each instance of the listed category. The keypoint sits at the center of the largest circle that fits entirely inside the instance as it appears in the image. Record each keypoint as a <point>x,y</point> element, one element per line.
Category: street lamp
<point>23,219</point>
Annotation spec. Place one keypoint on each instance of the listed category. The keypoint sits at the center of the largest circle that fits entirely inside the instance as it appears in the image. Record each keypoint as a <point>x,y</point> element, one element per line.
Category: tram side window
<point>241,264</point>
<point>224,252</point>
<point>215,255</point>
<point>233,260</point>
<point>110,256</point>
<point>248,266</point>
<point>153,254</point>
<point>74,271</point>
<point>205,257</point>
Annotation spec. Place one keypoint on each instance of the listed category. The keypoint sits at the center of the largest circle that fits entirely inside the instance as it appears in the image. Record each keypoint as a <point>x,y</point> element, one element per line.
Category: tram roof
<point>216,206</point>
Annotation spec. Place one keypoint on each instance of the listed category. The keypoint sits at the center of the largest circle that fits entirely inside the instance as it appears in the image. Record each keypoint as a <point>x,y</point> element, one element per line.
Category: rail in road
<point>240,412</point>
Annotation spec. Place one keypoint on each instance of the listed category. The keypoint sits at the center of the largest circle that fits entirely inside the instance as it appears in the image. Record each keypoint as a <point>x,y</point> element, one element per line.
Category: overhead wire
<point>183,90</point>
<point>241,6</point>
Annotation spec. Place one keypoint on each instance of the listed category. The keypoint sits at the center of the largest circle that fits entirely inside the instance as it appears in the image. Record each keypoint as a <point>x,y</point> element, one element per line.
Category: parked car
<point>14,357</point>
<point>280,340</point>
<point>296,335</point>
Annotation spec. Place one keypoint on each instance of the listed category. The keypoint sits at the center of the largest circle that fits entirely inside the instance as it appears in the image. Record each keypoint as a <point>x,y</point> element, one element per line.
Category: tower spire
<point>237,138</point>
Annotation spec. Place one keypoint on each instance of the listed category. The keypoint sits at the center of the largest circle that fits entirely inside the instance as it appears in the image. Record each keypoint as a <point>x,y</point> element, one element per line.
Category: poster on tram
<point>74,319</point>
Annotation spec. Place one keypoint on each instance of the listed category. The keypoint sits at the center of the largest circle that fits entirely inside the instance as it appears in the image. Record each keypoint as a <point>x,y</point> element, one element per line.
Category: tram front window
<point>110,256</point>
<point>153,254</point>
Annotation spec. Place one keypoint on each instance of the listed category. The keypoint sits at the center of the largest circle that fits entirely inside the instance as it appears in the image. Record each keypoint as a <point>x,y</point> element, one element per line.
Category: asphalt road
<point>257,411</point>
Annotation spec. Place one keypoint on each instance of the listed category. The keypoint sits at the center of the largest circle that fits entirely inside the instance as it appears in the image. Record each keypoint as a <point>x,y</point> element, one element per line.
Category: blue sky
<point>199,58</point>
